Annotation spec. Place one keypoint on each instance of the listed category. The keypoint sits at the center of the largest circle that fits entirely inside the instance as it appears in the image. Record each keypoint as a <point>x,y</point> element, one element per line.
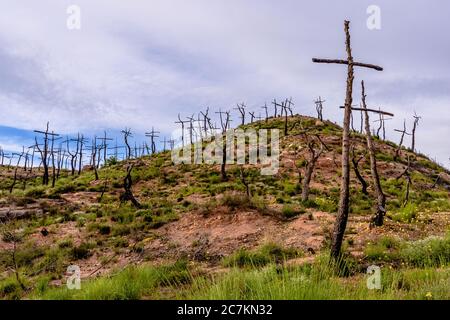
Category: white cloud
<point>139,63</point>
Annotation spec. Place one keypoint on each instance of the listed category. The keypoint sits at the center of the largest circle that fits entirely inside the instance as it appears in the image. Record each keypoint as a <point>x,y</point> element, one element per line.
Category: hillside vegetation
<point>196,236</point>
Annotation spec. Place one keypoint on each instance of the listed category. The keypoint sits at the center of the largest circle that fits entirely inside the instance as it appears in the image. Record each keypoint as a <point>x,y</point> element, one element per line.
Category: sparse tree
<point>415,125</point>
<point>128,193</point>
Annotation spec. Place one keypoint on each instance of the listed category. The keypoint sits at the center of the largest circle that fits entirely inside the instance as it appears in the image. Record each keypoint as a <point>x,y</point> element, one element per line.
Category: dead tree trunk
<point>128,194</point>
<point>407,176</point>
<point>94,157</point>
<point>343,209</point>
<point>355,163</point>
<point>245,182</point>
<point>15,173</point>
<point>126,135</point>
<point>378,218</point>
<point>399,148</point>
<point>319,108</point>
<point>52,151</point>
<point>309,170</point>
<point>416,123</point>
<point>224,122</point>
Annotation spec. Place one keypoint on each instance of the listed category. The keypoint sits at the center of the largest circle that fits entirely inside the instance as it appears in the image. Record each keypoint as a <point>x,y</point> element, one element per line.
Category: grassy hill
<point>196,236</point>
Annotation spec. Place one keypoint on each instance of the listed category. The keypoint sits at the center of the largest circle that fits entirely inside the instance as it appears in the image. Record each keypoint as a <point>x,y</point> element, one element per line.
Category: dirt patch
<point>222,232</point>
<point>81,198</point>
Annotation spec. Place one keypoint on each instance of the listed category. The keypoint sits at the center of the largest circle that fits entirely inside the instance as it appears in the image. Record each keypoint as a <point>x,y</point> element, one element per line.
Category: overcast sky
<point>139,63</point>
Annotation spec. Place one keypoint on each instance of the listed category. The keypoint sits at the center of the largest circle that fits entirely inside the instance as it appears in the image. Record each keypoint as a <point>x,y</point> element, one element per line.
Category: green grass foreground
<point>315,281</point>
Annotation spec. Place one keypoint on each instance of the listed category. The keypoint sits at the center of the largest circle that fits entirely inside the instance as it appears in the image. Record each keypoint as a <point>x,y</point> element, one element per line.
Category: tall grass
<point>318,283</point>
<point>132,283</point>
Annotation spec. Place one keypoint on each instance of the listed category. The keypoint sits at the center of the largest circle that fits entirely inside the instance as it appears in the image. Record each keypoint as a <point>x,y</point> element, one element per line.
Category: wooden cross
<point>164,144</point>
<point>182,122</point>
<point>267,113</point>
<point>105,146</point>
<point>191,128</point>
<point>152,135</point>
<point>276,105</point>
<point>252,116</point>
<point>206,120</point>
<point>319,108</point>
<point>382,125</point>
<point>289,104</point>
<point>343,209</point>
<point>403,132</point>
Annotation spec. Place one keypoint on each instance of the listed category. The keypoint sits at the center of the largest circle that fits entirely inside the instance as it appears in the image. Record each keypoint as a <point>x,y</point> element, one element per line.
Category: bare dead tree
<point>314,155</point>
<point>164,142</point>
<point>80,161</point>
<point>382,126</point>
<point>181,122</point>
<point>319,108</point>
<point>94,151</point>
<point>171,143</point>
<point>399,148</point>
<point>406,173</point>
<point>104,147</point>
<point>128,193</point>
<point>10,235</point>
<point>191,129</point>
<point>288,106</point>
<point>206,120</point>
<point>45,152</point>
<point>415,125</point>
<point>252,116</point>
<point>275,105</point>
<point>343,209</point>
<point>52,155</point>
<point>73,154</point>
<point>241,108</point>
<point>378,218</point>
<point>244,181</point>
<point>16,168</point>
<point>356,159</point>
<point>225,124</point>
<point>127,134</point>
<point>152,135</point>
<point>266,111</point>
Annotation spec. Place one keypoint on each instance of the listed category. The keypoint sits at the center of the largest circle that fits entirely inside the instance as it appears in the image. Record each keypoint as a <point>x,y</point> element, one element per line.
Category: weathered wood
<point>361,179</point>
<point>378,218</point>
<point>370,110</point>
<point>309,170</point>
<point>416,123</point>
<point>356,64</point>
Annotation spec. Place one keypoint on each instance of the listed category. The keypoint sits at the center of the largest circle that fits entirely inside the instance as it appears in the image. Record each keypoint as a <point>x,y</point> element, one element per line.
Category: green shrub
<point>104,229</point>
<point>264,255</point>
<point>81,252</point>
<point>407,214</point>
<point>289,211</point>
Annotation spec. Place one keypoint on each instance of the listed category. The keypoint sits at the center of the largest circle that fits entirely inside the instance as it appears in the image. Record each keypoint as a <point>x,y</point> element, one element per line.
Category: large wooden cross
<point>342,215</point>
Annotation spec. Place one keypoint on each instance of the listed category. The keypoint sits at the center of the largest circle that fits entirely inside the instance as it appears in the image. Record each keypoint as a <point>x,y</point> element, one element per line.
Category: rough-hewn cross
<point>152,135</point>
<point>342,216</point>
<point>319,108</point>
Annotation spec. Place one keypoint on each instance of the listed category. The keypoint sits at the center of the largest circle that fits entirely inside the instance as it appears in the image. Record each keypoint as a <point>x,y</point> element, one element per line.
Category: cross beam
<point>355,64</point>
<point>371,110</point>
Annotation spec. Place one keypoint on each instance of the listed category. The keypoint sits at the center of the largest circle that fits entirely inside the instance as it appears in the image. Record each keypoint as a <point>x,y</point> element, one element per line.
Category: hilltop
<point>191,225</point>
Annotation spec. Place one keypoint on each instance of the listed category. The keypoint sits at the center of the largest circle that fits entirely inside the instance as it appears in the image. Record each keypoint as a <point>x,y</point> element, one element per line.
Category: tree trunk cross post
<point>343,210</point>
<point>378,218</point>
